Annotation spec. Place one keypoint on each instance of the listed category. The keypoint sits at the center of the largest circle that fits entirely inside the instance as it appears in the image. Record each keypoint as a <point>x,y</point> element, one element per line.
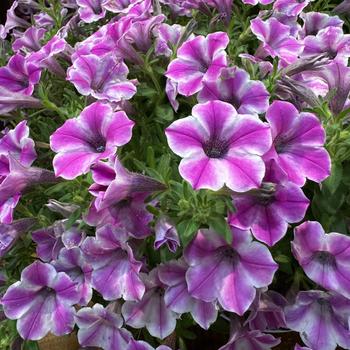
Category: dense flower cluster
<point>187,145</point>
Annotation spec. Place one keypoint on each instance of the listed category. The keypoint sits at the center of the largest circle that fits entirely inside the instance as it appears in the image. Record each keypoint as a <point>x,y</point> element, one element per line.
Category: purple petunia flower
<point>18,144</point>
<point>220,147</point>
<point>19,75</point>
<point>50,240</point>
<point>42,302</point>
<point>255,2</point>
<point>235,87</point>
<point>298,141</point>
<point>120,6</point>
<point>94,135</point>
<point>151,311</point>
<point>90,10</point>
<point>290,8</point>
<point>268,211</point>
<point>251,340</point>
<point>198,59</point>
<point>166,233</point>
<point>115,270</point>
<point>9,234</point>
<point>315,21</point>
<point>141,345</point>
<point>276,40</point>
<point>73,263</point>
<point>298,347</point>
<point>323,257</point>
<point>228,273</point>
<point>30,40</point>
<point>331,40</point>
<point>172,92</point>
<point>101,327</point>
<point>177,297</point>
<point>267,311</point>
<point>104,78</point>
<point>321,318</point>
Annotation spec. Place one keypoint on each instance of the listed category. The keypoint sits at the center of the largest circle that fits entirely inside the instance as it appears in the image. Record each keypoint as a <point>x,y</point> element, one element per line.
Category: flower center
<point>98,145</point>
<point>281,144</point>
<point>215,148</point>
<point>324,258</point>
<point>229,255</point>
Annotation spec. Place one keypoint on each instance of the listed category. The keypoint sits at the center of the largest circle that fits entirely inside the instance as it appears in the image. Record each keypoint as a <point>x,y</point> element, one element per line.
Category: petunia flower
<point>276,40</point>
<point>229,273</point>
<point>172,92</point>
<point>166,233</point>
<point>268,210</point>
<point>141,345</point>
<point>101,327</point>
<point>13,21</point>
<point>316,21</point>
<point>18,144</point>
<point>235,87</point>
<point>151,311</point>
<point>120,6</point>
<point>30,40</point>
<point>92,136</point>
<point>115,270</point>
<point>42,302</point>
<point>104,78</point>
<point>255,2</point>
<point>178,299</point>
<point>73,263</point>
<point>220,147</point>
<point>251,340</point>
<point>91,10</point>
<point>298,347</point>
<point>50,240</point>
<point>331,40</point>
<point>267,311</point>
<point>9,234</point>
<point>298,141</point>
<point>323,256</point>
<point>198,59</point>
<point>342,8</point>
<point>19,76</point>
<point>336,75</point>
<point>321,318</point>
<point>290,8</point>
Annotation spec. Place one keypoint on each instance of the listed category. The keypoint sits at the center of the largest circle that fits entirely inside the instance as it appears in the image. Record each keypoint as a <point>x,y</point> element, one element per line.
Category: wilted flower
<point>220,147</point>
<point>65,209</point>
<point>177,297</point>
<point>42,302</point>
<point>104,78</point>
<point>90,10</point>
<point>94,135</point>
<point>9,234</point>
<point>229,273</point>
<point>166,233</point>
<point>198,59</point>
<point>323,256</point>
<point>50,240</point>
<point>276,40</point>
<point>321,318</point>
<point>73,263</point>
<point>115,270</point>
<point>268,211</point>
<point>99,326</point>
<point>298,141</point>
<point>151,311</point>
<point>235,87</point>
<point>171,92</point>
<point>19,75</point>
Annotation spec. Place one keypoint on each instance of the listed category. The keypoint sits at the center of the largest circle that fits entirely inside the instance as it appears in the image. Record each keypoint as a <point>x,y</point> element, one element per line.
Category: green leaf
<point>73,218</point>
<point>164,113</point>
<point>30,345</point>
<point>220,226</point>
<point>186,230</point>
<point>332,182</point>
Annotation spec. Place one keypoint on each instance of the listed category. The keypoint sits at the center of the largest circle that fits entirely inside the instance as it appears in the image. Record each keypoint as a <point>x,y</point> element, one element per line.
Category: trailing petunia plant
<point>175,174</point>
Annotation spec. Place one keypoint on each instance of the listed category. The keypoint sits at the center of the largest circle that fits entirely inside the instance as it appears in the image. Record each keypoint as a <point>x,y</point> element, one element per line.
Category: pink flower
<point>198,59</point>
<point>95,134</point>
<point>220,147</point>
